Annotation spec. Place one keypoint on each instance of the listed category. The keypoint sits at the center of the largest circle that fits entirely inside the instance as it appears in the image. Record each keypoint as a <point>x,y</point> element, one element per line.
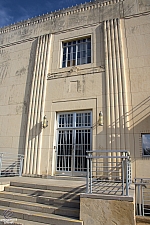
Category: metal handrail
<point>108,167</point>
<point>11,164</point>
<point>121,151</point>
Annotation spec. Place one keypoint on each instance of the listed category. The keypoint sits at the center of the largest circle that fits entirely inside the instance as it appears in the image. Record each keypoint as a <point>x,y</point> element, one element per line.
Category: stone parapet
<point>58,14</point>
<point>99,209</point>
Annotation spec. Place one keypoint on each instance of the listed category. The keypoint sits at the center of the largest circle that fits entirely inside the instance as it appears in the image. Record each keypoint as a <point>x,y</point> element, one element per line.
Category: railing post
<point>136,197</point>
<point>139,199</point>
<point>90,174</point>
<point>142,198</point>
<point>21,166</point>
<point>122,176</point>
<point>127,178</point>
<point>87,178</point>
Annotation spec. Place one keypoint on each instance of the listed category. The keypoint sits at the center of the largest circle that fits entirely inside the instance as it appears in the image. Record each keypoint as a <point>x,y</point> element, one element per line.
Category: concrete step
<point>60,177</point>
<point>41,199</point>
<point>45,218</point>
<point>16,221</point>
<point>39,192</point>
<point>53,203</point>
<point>61,210</point>
<point>48,187</point>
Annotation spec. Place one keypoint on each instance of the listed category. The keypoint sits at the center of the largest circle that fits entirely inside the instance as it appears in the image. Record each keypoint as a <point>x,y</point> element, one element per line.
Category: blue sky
<point>12,11</point>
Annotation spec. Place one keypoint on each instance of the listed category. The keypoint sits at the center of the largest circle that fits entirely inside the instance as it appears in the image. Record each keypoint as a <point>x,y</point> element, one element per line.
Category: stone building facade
<point>71,65</point>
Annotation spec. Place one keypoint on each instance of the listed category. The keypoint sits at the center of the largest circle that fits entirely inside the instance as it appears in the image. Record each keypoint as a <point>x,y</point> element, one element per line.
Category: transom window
<point>146,144</point>
<point>74,120</point>
<point>76,52</point>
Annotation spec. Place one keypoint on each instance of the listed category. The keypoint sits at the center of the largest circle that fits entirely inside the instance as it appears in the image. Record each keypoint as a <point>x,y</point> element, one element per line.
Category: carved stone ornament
<point>74,69</point>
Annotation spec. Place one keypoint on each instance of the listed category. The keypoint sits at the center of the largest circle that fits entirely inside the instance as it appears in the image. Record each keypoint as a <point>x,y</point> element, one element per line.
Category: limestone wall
<point>137,33</point>
<point>16,67</point>
<point>106,210</point>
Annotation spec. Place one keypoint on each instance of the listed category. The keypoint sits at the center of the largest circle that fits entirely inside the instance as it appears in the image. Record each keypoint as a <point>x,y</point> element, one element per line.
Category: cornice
<point>17,42</point>
<point>58,14</point>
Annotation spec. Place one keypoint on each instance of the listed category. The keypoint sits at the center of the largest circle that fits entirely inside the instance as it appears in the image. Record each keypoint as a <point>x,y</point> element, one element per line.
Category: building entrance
<point>73,141</point>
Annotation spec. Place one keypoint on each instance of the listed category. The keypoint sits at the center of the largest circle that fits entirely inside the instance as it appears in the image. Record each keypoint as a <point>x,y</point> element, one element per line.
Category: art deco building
<point>62,73</point>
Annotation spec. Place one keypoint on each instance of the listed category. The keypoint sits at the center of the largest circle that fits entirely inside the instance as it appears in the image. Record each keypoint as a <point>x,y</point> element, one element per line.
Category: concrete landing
<point>61,181</point>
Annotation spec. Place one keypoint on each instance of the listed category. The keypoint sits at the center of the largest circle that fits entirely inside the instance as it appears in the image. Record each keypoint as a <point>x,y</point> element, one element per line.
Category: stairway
<point>39,204</point>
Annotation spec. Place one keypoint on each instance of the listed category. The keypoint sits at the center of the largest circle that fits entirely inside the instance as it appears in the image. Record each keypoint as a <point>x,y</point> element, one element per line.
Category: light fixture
<point>100,120</point>
<point>45,122</point>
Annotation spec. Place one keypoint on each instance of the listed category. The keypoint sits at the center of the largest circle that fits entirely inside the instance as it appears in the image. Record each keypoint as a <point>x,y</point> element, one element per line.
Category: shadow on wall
<point>138,123</point>
<point>138,119</point>
<point>25,110</point>
<point>140,112</point>
<point>35,131</point>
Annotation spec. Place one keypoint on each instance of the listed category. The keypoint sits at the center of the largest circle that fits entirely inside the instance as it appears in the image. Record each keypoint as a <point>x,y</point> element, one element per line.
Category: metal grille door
<point>74,139</point>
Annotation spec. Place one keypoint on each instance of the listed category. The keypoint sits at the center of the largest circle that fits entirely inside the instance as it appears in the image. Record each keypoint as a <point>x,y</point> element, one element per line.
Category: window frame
<point>143,148</point>
<point>82,51</point>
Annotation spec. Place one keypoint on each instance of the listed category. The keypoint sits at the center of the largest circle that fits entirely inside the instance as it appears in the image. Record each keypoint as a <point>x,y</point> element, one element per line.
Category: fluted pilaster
<point>116,89</point>
<point>36,107</point>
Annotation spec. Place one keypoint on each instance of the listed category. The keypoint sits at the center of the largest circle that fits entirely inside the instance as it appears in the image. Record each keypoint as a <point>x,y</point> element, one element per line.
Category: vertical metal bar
<point>139,199</point>
<point>59,148</point>
<point>69,150</point>
<point>136,194</point>
<point>87,177</point>
<point>75,150</point>
<point>64,150</point>
<point>127,179</point>
<point>142,199</point>
<point>91,174</point>
<point>122,177</point>
<point>83,150</point>
<point>75,157</point>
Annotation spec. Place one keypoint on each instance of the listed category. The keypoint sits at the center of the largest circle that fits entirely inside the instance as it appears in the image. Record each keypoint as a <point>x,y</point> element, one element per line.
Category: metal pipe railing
<point>108,173</point>
<point>142,196</point>
<point>11,164</point>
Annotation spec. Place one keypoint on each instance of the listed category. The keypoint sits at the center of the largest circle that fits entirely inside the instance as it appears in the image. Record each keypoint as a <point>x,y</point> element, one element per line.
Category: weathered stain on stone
<point>21,72</point>
<point>3,72</point>
<point>144,4</point>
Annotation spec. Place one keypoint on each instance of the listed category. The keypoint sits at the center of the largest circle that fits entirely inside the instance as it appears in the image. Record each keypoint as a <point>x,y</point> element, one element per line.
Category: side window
<point>146,144</point>
<point>76,52</point>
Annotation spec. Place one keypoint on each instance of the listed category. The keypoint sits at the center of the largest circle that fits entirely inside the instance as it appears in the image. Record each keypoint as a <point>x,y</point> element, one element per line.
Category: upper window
<point>146,144</point>
<point>76,52</point>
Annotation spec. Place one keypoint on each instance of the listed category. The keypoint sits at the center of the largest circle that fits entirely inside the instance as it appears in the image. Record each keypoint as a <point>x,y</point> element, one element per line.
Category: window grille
<point>73,142</point>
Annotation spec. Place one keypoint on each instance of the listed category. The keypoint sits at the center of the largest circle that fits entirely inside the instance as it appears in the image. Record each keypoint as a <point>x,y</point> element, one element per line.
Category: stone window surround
<point>142,136</point>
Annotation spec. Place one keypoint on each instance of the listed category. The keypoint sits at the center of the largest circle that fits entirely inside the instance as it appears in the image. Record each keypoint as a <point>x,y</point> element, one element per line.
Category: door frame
<point>74,129</point>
